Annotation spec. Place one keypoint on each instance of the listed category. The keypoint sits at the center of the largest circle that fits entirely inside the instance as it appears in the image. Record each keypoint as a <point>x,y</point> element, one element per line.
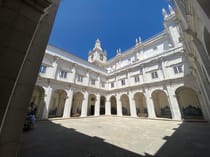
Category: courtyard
<point>116,137</point>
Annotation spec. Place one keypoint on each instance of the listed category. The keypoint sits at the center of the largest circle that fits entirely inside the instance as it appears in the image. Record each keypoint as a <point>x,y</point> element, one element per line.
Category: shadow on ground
<point>53,140</point>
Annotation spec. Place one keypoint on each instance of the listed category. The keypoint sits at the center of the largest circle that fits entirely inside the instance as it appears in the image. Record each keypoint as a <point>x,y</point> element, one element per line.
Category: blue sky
<point>117,23</point>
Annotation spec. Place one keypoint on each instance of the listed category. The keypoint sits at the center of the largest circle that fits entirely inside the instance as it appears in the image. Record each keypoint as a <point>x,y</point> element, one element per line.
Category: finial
<point>98,45</point>
<point>118,51</point>
<point>165,15</point>
<point>139,39</point>
<point>171,9</point>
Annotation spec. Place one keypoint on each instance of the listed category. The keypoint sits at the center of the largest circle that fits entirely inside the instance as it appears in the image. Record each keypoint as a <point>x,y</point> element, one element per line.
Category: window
<point>63,74</point>
<point>154,75</point>
<point>103,84</point>
<point>101,57</point>
<point>93,82</point>
<point>79,78</point>
<point>178,69</point>
<point>112,84</point>
<point>43,69</point>
<point>155,48</point>
<point>123,82</point>
<point>136,79</point>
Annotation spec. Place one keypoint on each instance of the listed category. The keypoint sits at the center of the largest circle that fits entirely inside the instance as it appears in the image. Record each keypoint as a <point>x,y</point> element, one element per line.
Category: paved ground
<point>116,137</point>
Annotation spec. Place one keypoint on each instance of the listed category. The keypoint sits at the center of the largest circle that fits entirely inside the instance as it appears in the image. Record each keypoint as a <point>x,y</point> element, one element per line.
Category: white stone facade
<point>152,79</point>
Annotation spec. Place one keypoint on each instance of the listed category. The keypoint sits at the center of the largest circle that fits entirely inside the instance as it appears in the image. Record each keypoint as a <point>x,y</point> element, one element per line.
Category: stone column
<point>119,106</point>
<point>174,106</point>
<point>108,107</point>
<point>47,100</point>
<point>84,105</point>
<point>132,105</point>
<point>150,105</point>
<point>97,105</point>
<point>68,104</point>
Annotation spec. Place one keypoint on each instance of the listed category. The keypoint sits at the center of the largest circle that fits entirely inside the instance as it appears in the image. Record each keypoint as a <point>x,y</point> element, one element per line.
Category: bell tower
<point>97,55</point>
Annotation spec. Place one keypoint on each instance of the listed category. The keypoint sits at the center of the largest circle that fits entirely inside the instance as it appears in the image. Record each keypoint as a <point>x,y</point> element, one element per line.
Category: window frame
<point>112,84</point>
<point>123,82</point>
<point>79,78</point>
<point>154,74</point>
<point>101,57</point>
<point>63,74</point>
<point>93,82</point>
<point>43,69</point>
<point>177,69</point>
<point>136,79</point>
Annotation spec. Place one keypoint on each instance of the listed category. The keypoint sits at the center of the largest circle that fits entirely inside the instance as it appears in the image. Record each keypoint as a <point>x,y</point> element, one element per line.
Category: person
<point>30,120</point>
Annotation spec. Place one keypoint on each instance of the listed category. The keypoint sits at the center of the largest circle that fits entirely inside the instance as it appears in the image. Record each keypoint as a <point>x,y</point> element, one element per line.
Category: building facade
<point>155,79</point>
<point>193,18</point>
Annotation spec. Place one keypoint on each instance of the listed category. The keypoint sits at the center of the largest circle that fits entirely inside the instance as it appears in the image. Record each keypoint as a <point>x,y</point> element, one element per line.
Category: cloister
<point>135,104</point>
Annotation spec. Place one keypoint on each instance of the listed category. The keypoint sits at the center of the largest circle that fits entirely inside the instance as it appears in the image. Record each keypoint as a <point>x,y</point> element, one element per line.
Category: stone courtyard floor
<point>116,137</point>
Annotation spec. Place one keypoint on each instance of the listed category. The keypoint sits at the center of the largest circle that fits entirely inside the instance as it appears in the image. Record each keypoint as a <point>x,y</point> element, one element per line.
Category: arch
<point>113,105</point>
<point>161,104</point>
<point>91,104</point>
<point>37,101</point>
<point>57,103</point>
<point>125,104</point>
<point>189,103</point>
<point>77,104</point>
<point>141,106</point>
<point>102,105</point>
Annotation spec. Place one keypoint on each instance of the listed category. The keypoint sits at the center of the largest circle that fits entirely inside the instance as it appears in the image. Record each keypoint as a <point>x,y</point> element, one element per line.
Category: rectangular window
<point>63,74</point>
<point>103,84</point>
<point>79,78</point>
<point>178,69</point>
<point>93,82</point>
<point>154,75</point>
<point>123,82</point>
<point>112,84</point>
<point>43,69</point>
<point>155,48</point>
<point>136,79</point>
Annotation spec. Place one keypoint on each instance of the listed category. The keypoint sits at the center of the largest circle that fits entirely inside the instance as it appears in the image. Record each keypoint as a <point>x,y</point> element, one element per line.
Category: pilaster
<point>84,105</point>
<point>119,105</point>
<point>132,105</point>
<point>150,105</point>
<point>97,105</point>
<point>108,107</point>
<point>174,106</point>
<point>68,104</point>
<point>47,99</point>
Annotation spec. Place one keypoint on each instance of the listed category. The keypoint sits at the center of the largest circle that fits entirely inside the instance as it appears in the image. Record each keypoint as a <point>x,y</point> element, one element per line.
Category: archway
<point>141,106</point>
<point>125,105</point>
<point>91,104</point>
<point>161,104</point>
<point>57,103</point>
<point>189,103</point>
<point>102,105</point>
<point>113,105</point>
<point>37,101</point>
<point>77,104</point>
